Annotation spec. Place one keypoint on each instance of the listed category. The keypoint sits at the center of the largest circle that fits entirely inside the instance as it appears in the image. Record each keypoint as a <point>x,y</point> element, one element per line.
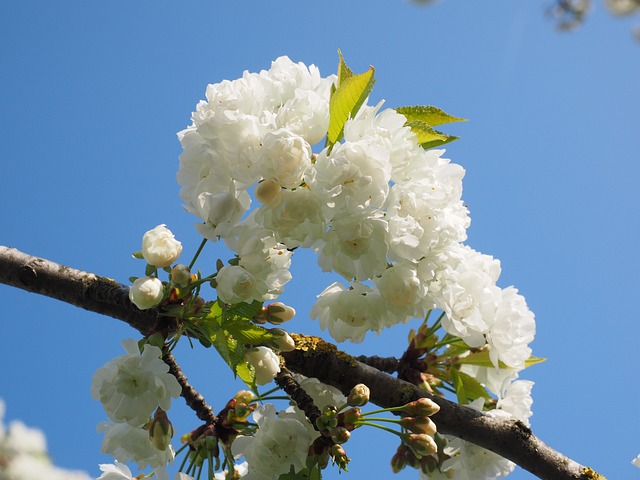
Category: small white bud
<point>160,248</point>
<point>267,191</point>
<point>146,292</point>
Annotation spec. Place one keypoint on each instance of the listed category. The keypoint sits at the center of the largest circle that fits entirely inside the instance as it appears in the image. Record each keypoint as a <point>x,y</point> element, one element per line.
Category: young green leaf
<point>427,136</point>
<point>428,114</point>
<point>482,359</point>
<point>344,72</point>
<point>244,310</point>
<point>247,332</point>
<point>472,388</point>
<point>247,374</point>
<point>458,385</point>
<point>346,101</point>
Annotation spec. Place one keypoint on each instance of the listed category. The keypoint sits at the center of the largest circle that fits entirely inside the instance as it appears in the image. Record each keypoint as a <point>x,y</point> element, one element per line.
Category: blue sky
<point>93,93</point>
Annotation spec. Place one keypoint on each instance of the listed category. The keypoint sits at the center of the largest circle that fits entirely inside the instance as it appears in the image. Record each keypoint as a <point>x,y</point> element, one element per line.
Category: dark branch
<point>193,398</point>
<point>313,357</point>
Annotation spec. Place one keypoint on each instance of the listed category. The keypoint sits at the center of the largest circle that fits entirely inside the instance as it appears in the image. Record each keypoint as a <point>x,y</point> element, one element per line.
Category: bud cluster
<point>418,445</point>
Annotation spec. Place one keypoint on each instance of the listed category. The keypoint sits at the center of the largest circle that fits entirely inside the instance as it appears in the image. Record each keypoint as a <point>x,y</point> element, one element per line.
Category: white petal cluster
<point>377,208</point>
<point>23,454</point>
<point>160,248</point>
<point>132,386</point>
<point>265,362</point>
<point>322,394</point>
<point>126,443</point>
<point>281,443</point>
<point>146,292</point>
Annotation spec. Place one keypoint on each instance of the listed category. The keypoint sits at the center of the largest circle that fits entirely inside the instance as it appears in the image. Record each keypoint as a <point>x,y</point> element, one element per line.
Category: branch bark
<point>313,357</point>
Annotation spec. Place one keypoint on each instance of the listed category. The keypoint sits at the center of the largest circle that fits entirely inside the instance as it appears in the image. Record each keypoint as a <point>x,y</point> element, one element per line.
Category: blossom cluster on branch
<point>286,159</point>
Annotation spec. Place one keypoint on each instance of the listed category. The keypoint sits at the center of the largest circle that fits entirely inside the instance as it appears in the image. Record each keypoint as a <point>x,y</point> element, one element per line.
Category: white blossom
<point>511,331</point>
<point>133,385</point>
<point>278,445</point>
<point>116,471</point>
<point>355,246</point>
<point>349,313</point>
<point>322,394</point>
<point>146,292</point>
<point>234,284</point>
<point>126,443</point>
<point>285,158</point>
<point>400,286</point>
<point>265,362</point>
<point>295,216</point>
<point>160,248</point>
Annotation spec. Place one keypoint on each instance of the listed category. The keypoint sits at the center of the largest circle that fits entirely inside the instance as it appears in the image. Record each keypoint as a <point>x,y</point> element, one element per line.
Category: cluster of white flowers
<point>376,208</point>
<point>131,387</point>
<point>23,454</point>
<point>281,443</point>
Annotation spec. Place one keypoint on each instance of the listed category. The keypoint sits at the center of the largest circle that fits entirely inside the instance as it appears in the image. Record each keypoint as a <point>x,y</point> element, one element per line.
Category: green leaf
<point>482,359</point>
<point>472,388</point>
<point>247,332</point>
<point>138,255</point>
<point>533,360</point>
<point>244,310</point>
<point>346,101</point>
<point>247,374</point>
<point>344,72</point>
<point>428,114</point>
<point>428,137</point>
<point>150,270</point>
<point>458,385</point>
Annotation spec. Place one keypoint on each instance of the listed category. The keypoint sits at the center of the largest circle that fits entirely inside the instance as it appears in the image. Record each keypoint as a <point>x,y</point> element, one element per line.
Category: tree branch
<point>313,357</point>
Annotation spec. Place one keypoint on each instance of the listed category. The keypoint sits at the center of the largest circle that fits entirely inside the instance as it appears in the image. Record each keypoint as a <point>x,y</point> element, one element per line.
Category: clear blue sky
<point>92,94</point>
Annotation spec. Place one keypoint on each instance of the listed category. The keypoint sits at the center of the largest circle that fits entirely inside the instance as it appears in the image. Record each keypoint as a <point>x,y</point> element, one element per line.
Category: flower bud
<point>146,292</point>
<point>267,191</point>
<point>358,396</point>
<point>340,456</point>
<point>283,340</point>
<point>275,313</point>
<point>423,407</point>
<point>340,435</point>
<point>420,443</point>
<point>160,248</point>
<point>419,425</point>
<point>328,419</point>
<point>399,459</point>
<point>244,396</point>
<point>160,430</point>
<point>180,276</point>
<point>265,362</point>
<point>349,418</point>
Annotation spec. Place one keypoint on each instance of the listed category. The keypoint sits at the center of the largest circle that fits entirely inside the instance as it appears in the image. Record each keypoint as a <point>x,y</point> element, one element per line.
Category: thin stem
<point>195,257</point>
<point>381,427</point>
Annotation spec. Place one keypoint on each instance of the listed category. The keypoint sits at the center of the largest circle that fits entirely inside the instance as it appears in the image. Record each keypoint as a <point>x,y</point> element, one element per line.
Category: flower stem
<point>195,257</point>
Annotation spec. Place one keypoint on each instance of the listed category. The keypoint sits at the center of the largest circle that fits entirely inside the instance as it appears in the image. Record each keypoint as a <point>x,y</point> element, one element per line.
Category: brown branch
<point>194,399</point>
<point>286,382</point>
<point>313,357</point>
